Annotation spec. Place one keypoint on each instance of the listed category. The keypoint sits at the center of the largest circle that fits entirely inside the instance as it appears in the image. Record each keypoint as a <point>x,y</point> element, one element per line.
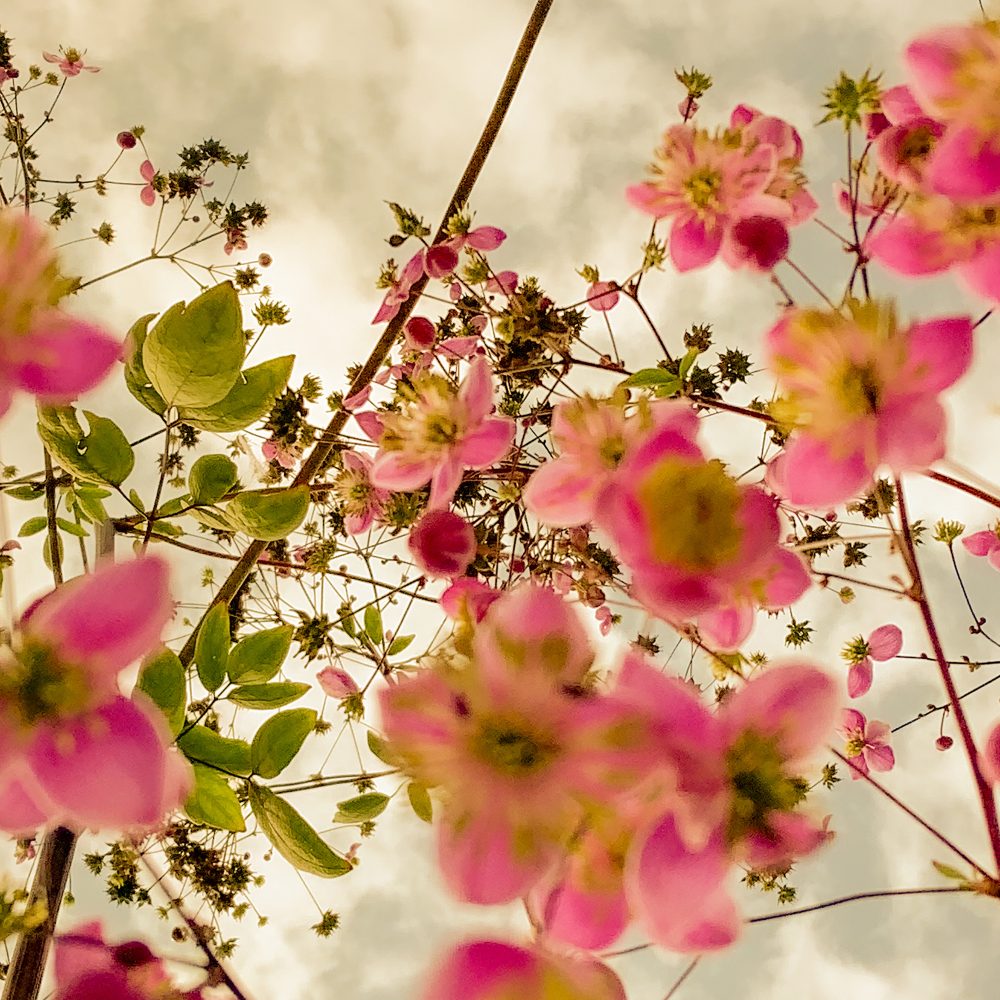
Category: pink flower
<point>442,543</point>
<point>235,240</point>
<point>399,290</point>
<point>956,75</point>
<point>605,619</point>
<point>419,333</point>
<point>74,751</point>
<point>70,62</point>
<point>862,392</point>
<point>438,433</point>
<point>736,796</point>
<point>868,746</point>
<point>43,350</point>
<point>337,683</point>
<point>592,437</point>
<point>482,238</point>
<point>88,968</point>
<point>495,970</point>
<point>275,450</point>
<point>602,296</point>
<point>903,147</point>
<point>468,598</point>
<point>700,545</point>
<point>984,543</point>
<point>362,502</point>
<point>505,282</point>
<point>148,194</point>
<point>714,190</point>
<point>883,644</point>
<point>990,756</point>
<point>513,748</point>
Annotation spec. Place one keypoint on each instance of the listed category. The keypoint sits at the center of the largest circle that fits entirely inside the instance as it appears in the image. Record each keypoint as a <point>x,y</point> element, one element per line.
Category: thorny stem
<point>318,457</point>
<point>920,597</point>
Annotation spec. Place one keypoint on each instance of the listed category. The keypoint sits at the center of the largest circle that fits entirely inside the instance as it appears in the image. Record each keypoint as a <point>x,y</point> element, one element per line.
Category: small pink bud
<point>943,742</point>
<point>442,543</point>
<point>264,260</point>
<point>126,140</point>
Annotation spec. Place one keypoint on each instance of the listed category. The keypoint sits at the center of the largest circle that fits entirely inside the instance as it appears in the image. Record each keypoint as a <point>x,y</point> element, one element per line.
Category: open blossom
<point>510,739</point>
<point>88,968</point>
<point>984,544</point>
<point>883,644</point>
<point>496,970</point>
<point>70,62</point>
<point>602,296</point>
<point>592,436</point>
<point>862,392</point>
<point>43,350</point>
<point>439,433</point>
<point>701,546</point>
<point>739,784</point>
<point>955,75</point>
<point>276,450</point>
<point>362,502</point>
<point>72,749</point>
<point>734,192</point>
<point>868,743</point>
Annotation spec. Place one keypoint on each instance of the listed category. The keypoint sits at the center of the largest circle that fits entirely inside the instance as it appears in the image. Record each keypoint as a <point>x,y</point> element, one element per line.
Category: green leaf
<point>399,644</point>
<point>646,377</point>
<point>27,492</point>
<point>71,527</point>
<point>949,872</point>
<point>250,398</point>
<point>686,362</point>
<point>420,801</point>
<point>101,455</point>
<point>213,802</point>
<point>268,695</point>
<point>269,516</point>
<point>373,624</point>
<point>136,379</point>
<point>279,740</point>
<point>91,507</point>
<point>136,501</point>
<point>293,838</point>
<point>162,678</point>
<point>206,746</point>
<point>361,808</point>
<point>193,354</point>
<point>211,478</point>
<point>32,526</point>
<point>47,550</point>
<point>380,748</point>
<point>258,657</point>
<point>211,517</point>
<point>211,648</point>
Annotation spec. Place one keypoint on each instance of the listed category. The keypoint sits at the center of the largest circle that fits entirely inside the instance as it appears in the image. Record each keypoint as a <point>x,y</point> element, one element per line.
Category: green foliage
<point>211,650</point>
<point>380,748</point>
<point>163,679</point>
<point>213,802</point>
<point>847,99</point>
<point>373,624</point>
<point>136,379</point>
<point>211,478</point>
<point>361,808</point>
<point>266,696</point>
<point>293,838</point>
<point>420,801</point>
<point>203,745</point>
<point>251,397</point>
<point>258,657</point>
<point>269,515</point>
<point>100,455</point>
<point>279,740</point>
<point>193,354</point>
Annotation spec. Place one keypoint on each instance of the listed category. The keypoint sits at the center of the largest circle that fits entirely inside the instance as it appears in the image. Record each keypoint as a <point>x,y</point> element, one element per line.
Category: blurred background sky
<point>346,105</point>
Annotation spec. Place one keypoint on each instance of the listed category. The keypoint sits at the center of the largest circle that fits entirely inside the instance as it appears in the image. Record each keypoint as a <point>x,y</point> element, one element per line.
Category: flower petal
<point>885,642</point>
<point>105,769</point>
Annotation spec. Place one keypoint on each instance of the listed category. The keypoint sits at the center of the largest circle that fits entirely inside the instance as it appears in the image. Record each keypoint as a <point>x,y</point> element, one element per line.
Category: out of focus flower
<point>442,543</point>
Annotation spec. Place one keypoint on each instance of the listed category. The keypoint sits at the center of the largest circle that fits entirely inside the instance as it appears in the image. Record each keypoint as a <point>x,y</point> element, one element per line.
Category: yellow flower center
<point>691,510</point>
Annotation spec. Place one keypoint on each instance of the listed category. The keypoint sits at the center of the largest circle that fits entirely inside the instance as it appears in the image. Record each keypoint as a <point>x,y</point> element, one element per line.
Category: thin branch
<point>318,457</point>
<point>856,897</point>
